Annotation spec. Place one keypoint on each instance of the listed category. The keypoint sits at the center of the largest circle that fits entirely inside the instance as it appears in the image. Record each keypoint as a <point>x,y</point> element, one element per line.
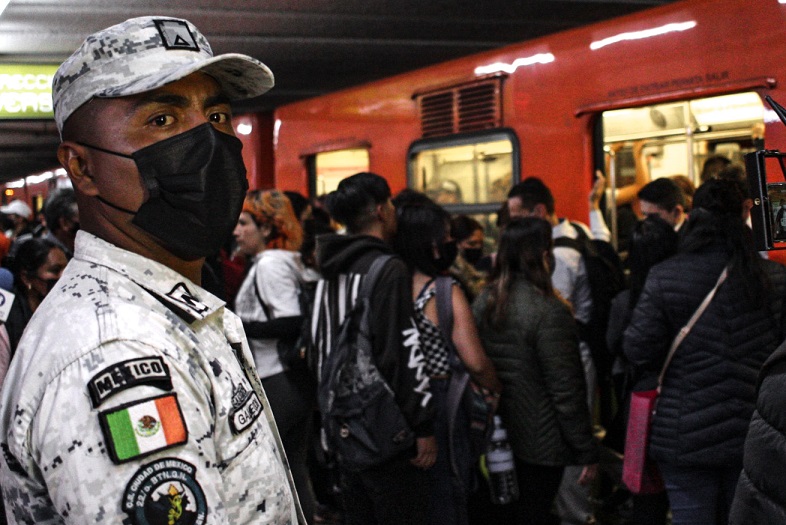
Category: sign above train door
<point>26,91</point>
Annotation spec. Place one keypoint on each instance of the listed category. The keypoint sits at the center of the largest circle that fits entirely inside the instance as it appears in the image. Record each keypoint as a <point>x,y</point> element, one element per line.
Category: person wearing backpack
<point>268,303</point>
<point>423,241</point>
<point>394,490</point>
<point>570,277</point>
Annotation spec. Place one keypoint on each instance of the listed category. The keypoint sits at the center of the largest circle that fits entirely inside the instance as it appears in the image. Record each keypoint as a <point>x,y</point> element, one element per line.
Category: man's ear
<point>75,160</point>
<point>540,211</point>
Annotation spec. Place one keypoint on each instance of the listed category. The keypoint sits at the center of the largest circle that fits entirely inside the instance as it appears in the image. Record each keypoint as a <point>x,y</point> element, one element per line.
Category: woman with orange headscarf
<point>270,235</point>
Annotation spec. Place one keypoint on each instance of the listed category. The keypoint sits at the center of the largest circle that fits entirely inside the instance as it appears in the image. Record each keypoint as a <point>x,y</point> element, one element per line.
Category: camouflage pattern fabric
<point>145,53</point>
<point>94,348</point>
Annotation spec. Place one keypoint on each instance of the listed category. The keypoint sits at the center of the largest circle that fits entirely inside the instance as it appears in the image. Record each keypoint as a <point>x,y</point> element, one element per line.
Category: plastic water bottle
<point>503,484</point>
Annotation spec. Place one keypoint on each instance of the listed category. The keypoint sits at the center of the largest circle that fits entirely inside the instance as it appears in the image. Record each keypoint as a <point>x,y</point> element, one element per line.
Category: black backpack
<point>606,279</point>
<point>362,424</point>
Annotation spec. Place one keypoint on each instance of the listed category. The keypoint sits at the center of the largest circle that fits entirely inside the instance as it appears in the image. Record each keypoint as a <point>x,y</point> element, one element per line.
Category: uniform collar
<point>189,301</point>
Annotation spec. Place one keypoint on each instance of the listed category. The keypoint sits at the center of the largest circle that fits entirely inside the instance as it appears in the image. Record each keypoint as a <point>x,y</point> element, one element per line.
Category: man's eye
<point>219,118</point>
<point>162,120</point>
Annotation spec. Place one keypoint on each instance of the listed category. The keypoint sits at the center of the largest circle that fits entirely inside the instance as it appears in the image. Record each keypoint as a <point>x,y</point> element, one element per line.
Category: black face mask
<point>196,183</point>
<point>447,254</point>
<point>473,255</point>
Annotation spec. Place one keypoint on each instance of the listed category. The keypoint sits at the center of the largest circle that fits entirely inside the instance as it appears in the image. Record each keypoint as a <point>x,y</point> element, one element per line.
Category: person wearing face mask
<point>37,266</point>
<point>423,240</point>
<point>133,396</point>
<point>468,234</point>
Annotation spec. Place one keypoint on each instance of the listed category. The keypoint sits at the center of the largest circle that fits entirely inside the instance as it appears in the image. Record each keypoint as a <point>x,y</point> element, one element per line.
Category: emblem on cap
<point>175,34</point>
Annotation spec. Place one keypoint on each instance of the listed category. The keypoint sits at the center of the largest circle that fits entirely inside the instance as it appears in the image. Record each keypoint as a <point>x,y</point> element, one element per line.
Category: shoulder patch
<point>138,429</point>
<point>126,374</point>
<point>246,408</point>
<point>165,491</point>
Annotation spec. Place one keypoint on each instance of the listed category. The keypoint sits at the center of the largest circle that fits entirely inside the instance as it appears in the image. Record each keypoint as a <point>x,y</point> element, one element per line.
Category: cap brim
<point>240,77</point>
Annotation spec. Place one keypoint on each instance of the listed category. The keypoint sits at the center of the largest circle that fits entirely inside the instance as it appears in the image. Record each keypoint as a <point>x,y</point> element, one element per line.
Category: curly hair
<point>273,208</point>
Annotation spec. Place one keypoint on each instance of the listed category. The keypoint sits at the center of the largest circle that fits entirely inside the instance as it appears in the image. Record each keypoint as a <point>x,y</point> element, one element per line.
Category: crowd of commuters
<point>153,323</point>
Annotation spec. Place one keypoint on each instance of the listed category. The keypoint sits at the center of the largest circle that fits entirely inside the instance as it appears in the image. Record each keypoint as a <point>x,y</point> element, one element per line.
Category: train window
<point>674,140</point>
<point>333,166</point>
<point>466,174</point>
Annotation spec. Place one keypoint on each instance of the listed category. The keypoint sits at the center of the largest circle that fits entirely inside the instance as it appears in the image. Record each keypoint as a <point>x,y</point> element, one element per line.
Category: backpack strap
<point>444,285</point>
<point>370,280</point>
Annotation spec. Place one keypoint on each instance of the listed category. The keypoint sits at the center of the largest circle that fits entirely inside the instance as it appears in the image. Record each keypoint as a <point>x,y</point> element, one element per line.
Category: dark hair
<point>736,173</point>
<point>653,240</point>
<point>298,202</point>
<point>410,196</point>
<point>532,191</point>
<point>421,227</point>
<point>688,189</point>
<point>663,193</point>
<point>712,166</point>
<point>353,202</point>
<point>30,256</point>
<point>60,204</point>
<point>463,226</point>
<point>716,221</point>
<point>520,255</point>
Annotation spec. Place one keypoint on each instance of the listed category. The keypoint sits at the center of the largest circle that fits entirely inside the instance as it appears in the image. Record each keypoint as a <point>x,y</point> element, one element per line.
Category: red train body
<point>688,77</point>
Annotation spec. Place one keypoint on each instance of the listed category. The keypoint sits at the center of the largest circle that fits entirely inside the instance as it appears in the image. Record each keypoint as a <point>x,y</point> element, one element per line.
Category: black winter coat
<point>709,390</point>
<point>761,491</point>
<point>536,354</point>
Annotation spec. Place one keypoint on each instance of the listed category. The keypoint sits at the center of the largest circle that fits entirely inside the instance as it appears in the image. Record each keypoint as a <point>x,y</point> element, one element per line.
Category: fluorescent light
<point>244,128</point>
<point>647,33</point>
<point>540,58</point>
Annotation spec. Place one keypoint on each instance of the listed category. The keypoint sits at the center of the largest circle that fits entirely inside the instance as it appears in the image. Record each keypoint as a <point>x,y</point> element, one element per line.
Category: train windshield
<point>468,174</point>
<point>676,140</point>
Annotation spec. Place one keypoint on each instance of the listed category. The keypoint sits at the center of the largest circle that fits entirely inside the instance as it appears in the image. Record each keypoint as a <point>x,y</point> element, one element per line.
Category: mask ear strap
<point>115,206</point>
<point>103,150</point>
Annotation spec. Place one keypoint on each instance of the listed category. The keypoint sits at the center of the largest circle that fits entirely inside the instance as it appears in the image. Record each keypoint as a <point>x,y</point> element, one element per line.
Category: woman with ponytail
<point>530,335</point>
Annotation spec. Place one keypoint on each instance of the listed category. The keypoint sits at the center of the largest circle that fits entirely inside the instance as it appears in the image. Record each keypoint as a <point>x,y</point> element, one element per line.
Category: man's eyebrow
<point>216,100</point>
<point>172,99</point>
<point>159,98</point>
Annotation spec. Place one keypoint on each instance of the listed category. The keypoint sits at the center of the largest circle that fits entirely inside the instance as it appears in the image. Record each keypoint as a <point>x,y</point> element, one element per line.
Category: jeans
<point>394,493</point>
<point>538,485</point>
<point>700,496</point>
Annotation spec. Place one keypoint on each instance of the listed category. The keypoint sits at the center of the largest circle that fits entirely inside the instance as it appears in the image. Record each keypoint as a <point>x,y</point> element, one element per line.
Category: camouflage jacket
<point>133,398</point>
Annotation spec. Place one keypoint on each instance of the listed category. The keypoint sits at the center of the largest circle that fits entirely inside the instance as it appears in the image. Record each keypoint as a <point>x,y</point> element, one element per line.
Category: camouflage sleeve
<point>129,433</point>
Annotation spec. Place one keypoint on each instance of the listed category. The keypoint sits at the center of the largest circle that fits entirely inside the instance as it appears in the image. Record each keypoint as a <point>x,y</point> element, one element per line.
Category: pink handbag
<point>639,473</point>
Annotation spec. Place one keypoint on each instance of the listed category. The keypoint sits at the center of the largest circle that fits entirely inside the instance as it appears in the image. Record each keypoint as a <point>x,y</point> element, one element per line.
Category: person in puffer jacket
<point>709,389</point>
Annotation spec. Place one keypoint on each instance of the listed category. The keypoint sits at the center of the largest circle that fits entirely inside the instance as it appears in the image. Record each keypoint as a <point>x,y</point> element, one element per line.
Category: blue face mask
<point>196,183</point>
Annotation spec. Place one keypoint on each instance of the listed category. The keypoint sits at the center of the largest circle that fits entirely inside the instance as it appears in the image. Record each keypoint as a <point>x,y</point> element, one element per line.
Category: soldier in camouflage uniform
<point>133,397</point>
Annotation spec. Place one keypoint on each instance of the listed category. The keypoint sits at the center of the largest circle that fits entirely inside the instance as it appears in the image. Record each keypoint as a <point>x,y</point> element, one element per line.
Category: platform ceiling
<point>312,46</point>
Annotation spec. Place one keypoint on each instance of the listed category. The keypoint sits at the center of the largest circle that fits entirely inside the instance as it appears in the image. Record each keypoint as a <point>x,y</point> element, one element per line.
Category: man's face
<point>649,209</point>
<point>128,124</point>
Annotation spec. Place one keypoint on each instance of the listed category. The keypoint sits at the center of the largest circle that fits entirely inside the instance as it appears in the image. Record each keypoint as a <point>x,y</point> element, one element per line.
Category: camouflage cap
<point>145,53</point>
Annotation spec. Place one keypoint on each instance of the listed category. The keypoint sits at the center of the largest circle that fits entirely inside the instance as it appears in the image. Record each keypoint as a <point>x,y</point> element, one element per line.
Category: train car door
<point>674,139</point>
<point>467,174</point>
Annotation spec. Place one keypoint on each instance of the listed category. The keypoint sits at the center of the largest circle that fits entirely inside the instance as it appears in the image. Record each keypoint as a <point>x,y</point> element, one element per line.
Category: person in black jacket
<point>652,241</point>
<point>709,389</point>
<point>397,491</point>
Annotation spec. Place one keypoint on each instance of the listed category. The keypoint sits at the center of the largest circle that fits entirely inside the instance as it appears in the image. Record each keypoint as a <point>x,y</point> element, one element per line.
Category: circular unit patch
<point>165,492</point>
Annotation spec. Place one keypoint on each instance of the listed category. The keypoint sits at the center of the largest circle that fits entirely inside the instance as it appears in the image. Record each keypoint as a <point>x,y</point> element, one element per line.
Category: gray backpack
<point>362,424</point>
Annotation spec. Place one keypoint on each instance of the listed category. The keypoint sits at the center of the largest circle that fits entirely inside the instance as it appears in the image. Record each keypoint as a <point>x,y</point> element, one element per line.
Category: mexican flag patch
<point>141,428</point>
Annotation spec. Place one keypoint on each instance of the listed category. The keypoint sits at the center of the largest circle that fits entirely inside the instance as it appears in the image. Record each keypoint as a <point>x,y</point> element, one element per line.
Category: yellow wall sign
<point>26,91</point>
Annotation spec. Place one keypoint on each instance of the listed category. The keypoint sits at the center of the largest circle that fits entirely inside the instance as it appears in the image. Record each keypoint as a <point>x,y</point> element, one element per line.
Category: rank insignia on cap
<point>176,35</point>
<point>165,491</point>
<point>126,374</point>
<point>138,429</point>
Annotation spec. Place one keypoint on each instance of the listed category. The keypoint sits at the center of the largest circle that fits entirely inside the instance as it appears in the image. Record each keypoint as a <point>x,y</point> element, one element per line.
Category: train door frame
<point>310,163</point>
